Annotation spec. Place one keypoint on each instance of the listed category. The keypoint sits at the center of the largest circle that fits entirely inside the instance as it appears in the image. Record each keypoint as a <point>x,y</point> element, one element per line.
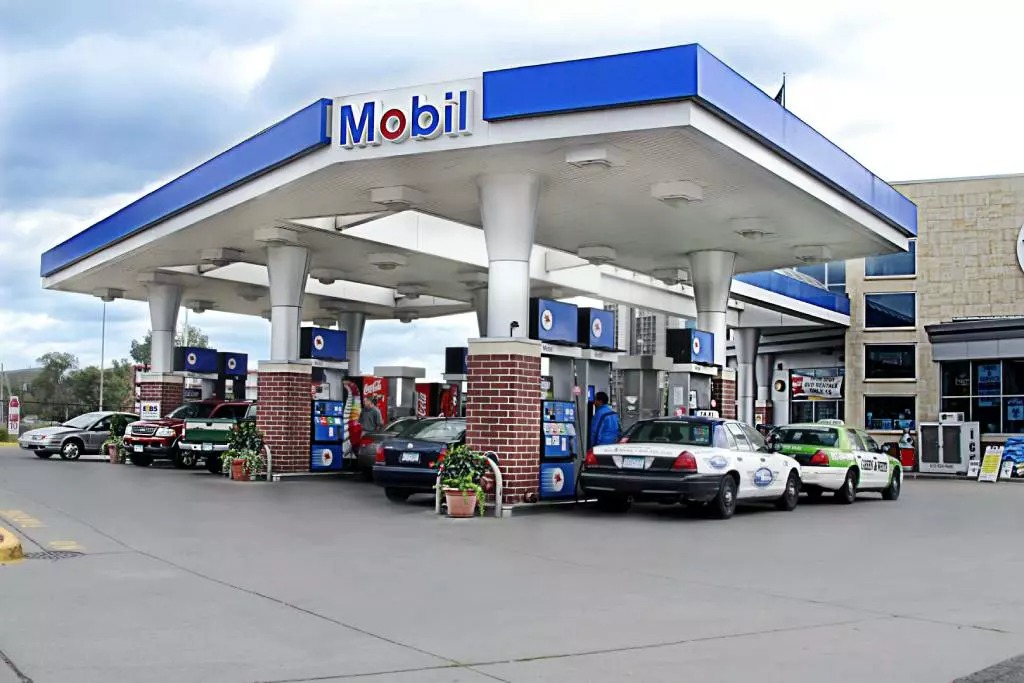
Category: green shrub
<point>4,434</point>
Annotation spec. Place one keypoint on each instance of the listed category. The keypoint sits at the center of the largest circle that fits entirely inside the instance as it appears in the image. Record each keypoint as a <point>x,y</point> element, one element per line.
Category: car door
<point>776,462</point>
<point>865,460</point>
<point>881,459</point>
<point>748,462</point>
<point>97,434</point>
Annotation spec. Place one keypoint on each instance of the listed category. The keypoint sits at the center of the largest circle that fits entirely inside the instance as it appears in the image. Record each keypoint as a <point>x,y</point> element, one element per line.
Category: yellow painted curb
<point>10,546</point>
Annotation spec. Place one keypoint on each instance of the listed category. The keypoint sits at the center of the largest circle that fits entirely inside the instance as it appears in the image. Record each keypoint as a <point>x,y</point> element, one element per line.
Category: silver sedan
<point>79,435</point>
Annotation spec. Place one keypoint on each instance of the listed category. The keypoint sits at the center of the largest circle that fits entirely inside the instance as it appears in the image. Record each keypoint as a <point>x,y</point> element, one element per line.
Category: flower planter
<point>460,504</point>
<point>112,454</point>
<point>238,472</point>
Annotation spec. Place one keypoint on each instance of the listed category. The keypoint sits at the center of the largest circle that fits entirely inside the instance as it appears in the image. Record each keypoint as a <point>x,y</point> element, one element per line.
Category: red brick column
<point>165,388</point>
<point>763,412</point>
<point>503,410</point>
<point>283,390</point>
<point>723,392</point>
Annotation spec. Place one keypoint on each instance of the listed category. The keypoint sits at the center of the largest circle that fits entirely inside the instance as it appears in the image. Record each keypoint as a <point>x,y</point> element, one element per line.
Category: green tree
<point>52,386</point>
<point>141,348</point>
<point>84,386</point>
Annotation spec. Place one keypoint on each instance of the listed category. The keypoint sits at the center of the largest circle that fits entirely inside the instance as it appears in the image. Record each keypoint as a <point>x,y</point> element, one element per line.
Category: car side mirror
<point>775,445</point>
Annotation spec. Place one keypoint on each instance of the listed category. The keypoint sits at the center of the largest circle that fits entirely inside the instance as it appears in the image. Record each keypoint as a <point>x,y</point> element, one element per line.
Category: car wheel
<point>71,450</point>
<point>813,494</point>
<point>789,499</point>
<point>396,495</point>
<point>184,460</point>
<point>214,464</point>
<point>724,504</point>
<point>848,492</point>
<point>42,455</point>
<point>141,460</point>
<point>617,504</point>
<point>892,491</point>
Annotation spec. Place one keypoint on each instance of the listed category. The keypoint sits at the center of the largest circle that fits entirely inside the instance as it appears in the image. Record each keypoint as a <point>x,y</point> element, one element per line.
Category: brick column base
<point>723,393</point>
<point>165,388</point>
<point>763,413</point>
<point>284,414</point>
<point>503,411</point>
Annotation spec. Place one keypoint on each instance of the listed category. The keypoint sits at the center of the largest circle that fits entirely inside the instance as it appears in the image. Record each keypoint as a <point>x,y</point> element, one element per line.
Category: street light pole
<point>103,351</point>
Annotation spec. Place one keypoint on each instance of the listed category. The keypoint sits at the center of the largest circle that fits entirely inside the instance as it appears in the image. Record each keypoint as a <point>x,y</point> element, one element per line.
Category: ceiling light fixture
<point>398,197</point>
<point>677,192</point>
<point>597,255</point>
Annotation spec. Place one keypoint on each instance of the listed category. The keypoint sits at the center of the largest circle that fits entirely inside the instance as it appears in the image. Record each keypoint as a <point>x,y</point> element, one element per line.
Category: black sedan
<point>366,455</point>
<point>408,464</point>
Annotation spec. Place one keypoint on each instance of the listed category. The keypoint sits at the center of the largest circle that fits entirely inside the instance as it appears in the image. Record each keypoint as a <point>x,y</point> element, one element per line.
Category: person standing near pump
<point>370,419</point>
<point>604,426</point>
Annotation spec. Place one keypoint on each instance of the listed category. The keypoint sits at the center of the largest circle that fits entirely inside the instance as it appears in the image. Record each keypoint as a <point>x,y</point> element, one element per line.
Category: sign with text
<point>990,464</point>
<point>150,410</point>
<point>805,386</point>
<point>13,416</point>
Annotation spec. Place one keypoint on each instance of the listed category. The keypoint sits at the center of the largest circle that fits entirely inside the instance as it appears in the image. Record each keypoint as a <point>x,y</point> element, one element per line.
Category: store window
<point>890,361</point>
<point>888,413</point>
<point>816,394</point>
<point>832,275</point>
<point>989,392</point>
<point>893,265</point>
<point>890,310</point>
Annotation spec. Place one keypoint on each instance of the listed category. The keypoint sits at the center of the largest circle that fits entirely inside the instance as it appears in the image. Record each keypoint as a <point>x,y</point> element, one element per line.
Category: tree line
<point>63,388</point>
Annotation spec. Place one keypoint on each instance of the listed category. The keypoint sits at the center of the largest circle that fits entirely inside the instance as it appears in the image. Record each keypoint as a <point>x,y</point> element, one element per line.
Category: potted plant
<point>244,458</point>
<point>115,442</point>
<point>461,472</point>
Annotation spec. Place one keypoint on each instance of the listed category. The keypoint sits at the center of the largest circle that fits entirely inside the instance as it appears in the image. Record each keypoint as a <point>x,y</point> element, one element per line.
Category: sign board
<point>14,416</point>
<point>553,321</point>
<point>194,359</point>
<point>990,464</point>
<point>597,327</point>
<point>805,386</point>
<point>323,344</point>
<point>150,410</point>
<point>1006,472</point>
<point>421,117</point>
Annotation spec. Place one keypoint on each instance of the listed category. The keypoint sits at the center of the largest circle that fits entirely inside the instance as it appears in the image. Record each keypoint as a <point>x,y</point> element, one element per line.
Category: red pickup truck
<point>149,440</point>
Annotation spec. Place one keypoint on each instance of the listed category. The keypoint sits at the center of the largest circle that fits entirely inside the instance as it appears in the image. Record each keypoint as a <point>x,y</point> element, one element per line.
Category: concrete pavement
<point>183,576</point>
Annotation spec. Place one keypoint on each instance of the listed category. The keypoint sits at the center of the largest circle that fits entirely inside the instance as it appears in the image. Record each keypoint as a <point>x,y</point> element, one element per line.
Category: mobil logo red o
<point>373,123</point>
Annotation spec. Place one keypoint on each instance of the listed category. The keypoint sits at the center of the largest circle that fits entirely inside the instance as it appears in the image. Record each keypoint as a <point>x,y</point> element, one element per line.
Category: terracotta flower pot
<point>238,470</point>
<point>112,454</point>
<point>460,504</point>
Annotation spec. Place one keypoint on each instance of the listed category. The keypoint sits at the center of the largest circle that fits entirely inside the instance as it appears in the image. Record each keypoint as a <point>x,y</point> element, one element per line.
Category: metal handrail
<point>498,486</point>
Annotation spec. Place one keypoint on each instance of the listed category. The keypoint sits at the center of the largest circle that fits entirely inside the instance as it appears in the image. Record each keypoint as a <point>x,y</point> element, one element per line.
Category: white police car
<point>691,460</point>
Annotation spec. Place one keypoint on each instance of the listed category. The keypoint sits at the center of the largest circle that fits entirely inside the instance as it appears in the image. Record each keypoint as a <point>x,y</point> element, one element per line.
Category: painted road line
<point>21,519</point>
<point>10,547</point>
<point>65,545</point>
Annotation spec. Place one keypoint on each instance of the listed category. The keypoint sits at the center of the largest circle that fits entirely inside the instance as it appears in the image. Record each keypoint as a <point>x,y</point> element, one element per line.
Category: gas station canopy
<point>643,159</point>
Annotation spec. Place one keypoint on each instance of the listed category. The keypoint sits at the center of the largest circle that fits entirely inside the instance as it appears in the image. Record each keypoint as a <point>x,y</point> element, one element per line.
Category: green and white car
<point>835,457</point>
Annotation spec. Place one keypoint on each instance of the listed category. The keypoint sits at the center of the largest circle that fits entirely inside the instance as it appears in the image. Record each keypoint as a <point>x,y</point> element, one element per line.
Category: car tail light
<point>819,458</point>
<point>379,457</point>
<point>624,439</point>
<point>685,462</point>
<point>590,460</point>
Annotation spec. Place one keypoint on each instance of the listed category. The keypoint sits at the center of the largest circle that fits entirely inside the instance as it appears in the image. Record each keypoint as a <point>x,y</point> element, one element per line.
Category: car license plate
<point>633,463</point>
<point>137,448</point>
<point>410,457</point>
<point>207,446</point>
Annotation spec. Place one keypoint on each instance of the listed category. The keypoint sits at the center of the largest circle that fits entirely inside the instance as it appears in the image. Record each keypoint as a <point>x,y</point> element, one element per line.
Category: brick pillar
<point>763,412</point>
<point>284,413</point>
<point>503,410</point>
<point>723,392</point>
<point>165,388</point>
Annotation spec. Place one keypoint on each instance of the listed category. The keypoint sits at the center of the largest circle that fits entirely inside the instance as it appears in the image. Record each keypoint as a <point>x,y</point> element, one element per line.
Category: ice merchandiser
<point>558,450</point>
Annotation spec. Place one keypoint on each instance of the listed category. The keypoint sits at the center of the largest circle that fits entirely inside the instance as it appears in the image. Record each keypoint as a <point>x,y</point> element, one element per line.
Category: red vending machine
<point>376,388</point>
<point>428,399</point>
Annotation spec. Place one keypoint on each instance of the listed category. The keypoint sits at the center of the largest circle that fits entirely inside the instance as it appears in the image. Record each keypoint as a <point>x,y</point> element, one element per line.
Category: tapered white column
<point>711,273</point>
<point>508,212</point>
<point>354,323</point>
<point>287,268</point>
<point>765,372</point>
<point>746,340</point>
<point>164,302</point>
<point>480,306</point>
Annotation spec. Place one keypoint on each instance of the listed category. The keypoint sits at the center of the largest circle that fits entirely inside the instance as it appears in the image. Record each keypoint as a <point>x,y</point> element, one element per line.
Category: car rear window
<point>808,436</point>
<point>442,431</point>
<point>672,431</point>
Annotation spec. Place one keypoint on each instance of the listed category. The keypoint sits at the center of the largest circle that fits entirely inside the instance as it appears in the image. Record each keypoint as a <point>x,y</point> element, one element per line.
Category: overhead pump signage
<point>373,122</point>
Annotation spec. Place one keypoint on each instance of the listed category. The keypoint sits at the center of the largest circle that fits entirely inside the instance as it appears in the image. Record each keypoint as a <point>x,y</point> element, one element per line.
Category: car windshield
<point>442,431</point>
<point>808,436</point>
<point>399,426</point>
<point>83,421</point>
<point>672,431</point>
<point>192,410</point>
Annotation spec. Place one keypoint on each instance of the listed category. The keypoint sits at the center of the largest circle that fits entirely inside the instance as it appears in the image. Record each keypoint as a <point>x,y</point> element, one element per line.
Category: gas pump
<point>232,370</point>
<point>335,407</point>
<point>401,387</point>
<point>456,376</point>
<point>642,392</point>
<point>688,383</point>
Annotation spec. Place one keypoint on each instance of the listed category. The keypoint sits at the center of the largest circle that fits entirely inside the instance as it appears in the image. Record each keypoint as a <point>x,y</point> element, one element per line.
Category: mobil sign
<point>420,117</point>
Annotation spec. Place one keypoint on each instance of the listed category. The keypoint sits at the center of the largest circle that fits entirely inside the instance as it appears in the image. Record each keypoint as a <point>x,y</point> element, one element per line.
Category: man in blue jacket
<point>604,426</point>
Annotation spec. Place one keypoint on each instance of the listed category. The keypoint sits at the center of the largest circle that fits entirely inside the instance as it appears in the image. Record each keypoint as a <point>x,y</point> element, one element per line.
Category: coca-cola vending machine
<point>428,399</point>
<point>376,388</point>
<point>451,404</point>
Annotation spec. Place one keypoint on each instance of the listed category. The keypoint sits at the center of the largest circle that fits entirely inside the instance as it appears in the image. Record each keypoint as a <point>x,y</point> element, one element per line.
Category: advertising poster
<point>990,464</point>
<point>376,388</point>
<point>149,410</point>
<point>988,379</point>
<point>807,387</point>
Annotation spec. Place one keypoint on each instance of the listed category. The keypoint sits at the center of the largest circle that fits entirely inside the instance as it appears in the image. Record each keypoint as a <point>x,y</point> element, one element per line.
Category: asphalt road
<point>183,576</point>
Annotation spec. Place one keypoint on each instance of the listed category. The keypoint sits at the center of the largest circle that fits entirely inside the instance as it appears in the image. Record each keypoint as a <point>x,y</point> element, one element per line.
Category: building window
<point>812,401</point>
<point>832,275</point>
<point>883,311</point>
<point>890,361</point>
<point>989,392</point>
<point>893,265</point>
<point>887,413</point>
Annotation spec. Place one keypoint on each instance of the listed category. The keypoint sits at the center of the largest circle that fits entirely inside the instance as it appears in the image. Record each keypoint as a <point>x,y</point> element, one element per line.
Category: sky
<point>101,101</point>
